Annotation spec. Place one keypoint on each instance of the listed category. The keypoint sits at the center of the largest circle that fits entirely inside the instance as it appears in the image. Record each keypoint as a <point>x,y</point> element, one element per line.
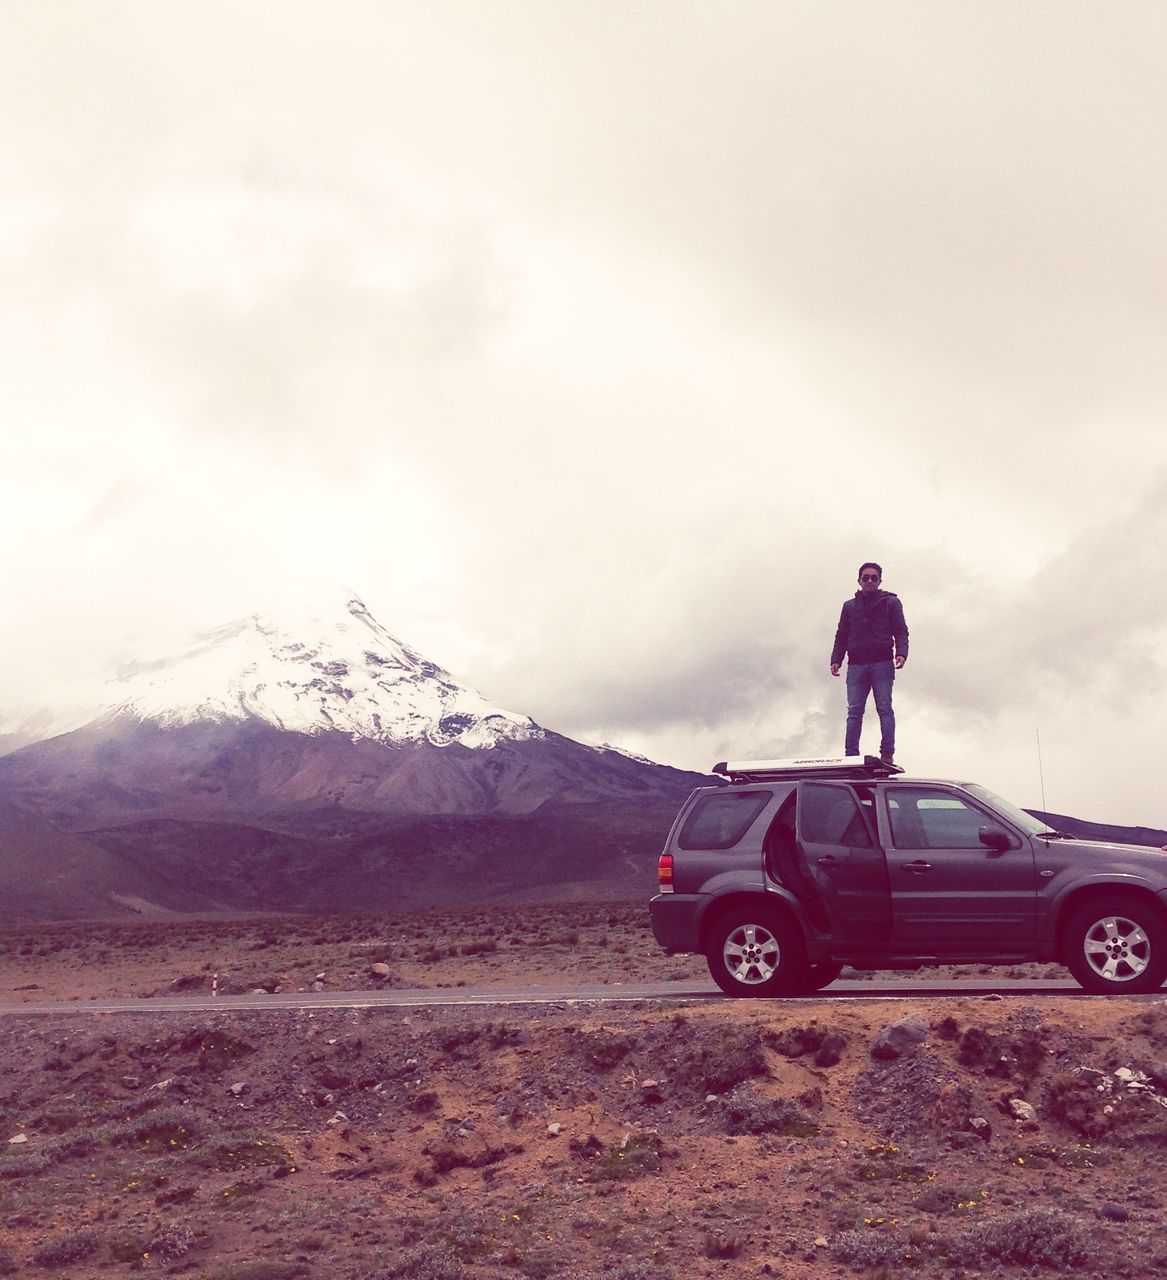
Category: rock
<point>17,1139</point>
<point>1022,1110</point>
<point>1113,1212</point>
<point>981,1127</point>
<point>318,985</point>
<point>954,1107</point>
<point>380,970</point>
<point>237,1088</point>
<point>821,1242</point>
<point>590,1146</point>
<point>900,1039</point>
<point>651,1091</point>
<point>554,1129</point>
<point>163,1084</point>
<point>831,1049</point>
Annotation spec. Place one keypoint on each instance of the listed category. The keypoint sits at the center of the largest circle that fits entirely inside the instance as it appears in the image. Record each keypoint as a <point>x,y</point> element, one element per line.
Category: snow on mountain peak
<point>342,673</point>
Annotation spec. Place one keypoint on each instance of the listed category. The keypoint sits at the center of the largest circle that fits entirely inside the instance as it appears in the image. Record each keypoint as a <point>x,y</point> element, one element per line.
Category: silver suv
<point>794,868</point>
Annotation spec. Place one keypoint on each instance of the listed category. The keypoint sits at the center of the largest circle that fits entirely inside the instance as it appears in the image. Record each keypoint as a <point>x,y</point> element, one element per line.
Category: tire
<point>754,951</point>
<point>815,977</point>
<point>822,975</point>
<point>1116,944</point>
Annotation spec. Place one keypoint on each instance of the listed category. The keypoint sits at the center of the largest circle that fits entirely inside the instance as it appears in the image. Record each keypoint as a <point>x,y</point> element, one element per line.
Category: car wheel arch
<point>730,902</point>
<point>1084,893</point>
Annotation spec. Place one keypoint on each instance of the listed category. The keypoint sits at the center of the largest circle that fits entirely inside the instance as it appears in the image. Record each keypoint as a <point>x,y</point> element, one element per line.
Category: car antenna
<point>1040,773</point>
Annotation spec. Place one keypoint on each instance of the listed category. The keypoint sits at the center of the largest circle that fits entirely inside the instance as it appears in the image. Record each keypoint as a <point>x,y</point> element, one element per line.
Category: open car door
<point>837,837</point>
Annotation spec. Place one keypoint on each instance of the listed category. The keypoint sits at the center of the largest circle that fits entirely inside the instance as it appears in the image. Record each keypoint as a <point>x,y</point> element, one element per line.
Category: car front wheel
<point>1117,943</point>
<point>755,952</point>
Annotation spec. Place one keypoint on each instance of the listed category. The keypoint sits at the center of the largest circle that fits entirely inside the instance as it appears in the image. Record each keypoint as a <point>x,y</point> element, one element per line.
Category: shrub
<point>937,1197</point>
<point>727,1058</point>
<point>166,1130</point>
<point>59,1119</point>
<point>478,948</point>
<point>867,1249</point>
<point>171,1243</point>
<point>718,1245</point>
<point>745,1113</point>
<point>423,1263</point>
<point>634,1156</point>
<point>61,1250</point>
<point>273,1270</point>
<point>232,1152</point>
<point>1043,1237</point>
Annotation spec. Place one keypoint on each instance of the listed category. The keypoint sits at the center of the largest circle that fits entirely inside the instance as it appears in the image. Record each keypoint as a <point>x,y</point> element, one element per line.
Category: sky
<point>594,344</point>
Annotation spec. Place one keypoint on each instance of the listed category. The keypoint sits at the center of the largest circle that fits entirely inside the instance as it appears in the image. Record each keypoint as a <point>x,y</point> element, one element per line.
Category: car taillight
<point>664,873</point>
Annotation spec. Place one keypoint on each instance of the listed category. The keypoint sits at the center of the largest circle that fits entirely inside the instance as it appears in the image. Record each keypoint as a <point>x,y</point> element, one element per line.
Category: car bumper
<point>675,920</point>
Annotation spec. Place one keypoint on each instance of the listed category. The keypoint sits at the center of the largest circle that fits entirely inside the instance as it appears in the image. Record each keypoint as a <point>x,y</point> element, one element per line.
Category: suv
<point>794,868</point>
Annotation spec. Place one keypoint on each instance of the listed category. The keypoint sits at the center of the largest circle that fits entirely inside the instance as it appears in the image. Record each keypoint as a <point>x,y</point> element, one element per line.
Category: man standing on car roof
<point>874,636</point>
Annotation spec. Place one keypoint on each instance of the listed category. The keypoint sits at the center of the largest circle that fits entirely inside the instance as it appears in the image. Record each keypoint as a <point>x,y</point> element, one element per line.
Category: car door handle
<point>917,868</point>
<point>828,860</point>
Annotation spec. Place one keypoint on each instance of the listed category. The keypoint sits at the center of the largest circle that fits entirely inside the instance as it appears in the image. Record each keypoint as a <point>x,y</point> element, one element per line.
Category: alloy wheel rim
<point>751,954</point>
<point>1117,948</point>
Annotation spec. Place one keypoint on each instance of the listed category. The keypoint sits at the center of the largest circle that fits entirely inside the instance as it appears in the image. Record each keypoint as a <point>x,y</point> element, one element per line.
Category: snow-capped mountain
<point>344,674</point>
<point>320,744</point>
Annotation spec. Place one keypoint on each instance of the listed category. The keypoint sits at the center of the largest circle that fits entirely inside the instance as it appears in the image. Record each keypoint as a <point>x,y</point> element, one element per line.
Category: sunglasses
<point>869,577</point>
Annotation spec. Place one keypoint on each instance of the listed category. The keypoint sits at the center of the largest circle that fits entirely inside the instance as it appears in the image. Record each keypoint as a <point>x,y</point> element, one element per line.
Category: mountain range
<point>312,764</point>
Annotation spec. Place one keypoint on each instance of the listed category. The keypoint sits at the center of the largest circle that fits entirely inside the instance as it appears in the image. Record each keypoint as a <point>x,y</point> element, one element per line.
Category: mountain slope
<point>322,764</point>
<point>1106,833</point>
<point>121,765</point>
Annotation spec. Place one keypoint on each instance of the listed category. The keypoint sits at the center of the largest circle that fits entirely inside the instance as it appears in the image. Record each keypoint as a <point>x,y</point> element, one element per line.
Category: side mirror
<point>995,838</point>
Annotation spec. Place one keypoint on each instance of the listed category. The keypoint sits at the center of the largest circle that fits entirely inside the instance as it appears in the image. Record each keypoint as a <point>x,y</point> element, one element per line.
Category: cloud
<point>597,345</point>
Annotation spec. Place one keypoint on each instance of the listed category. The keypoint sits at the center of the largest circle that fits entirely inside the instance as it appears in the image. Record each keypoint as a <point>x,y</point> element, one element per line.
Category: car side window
<point>720,820</point>
<point>831,815</point>
<point>925,819</point>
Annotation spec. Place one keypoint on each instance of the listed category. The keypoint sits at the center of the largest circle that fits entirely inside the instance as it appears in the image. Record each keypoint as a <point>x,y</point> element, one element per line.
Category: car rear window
<point>720,820</point>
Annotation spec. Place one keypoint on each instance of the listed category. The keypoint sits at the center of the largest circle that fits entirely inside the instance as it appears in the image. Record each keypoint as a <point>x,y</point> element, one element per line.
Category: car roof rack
<point>860,767</point>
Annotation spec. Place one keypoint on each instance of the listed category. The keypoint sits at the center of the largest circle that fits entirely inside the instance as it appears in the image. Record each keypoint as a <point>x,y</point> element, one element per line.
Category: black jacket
<point>871,629</point>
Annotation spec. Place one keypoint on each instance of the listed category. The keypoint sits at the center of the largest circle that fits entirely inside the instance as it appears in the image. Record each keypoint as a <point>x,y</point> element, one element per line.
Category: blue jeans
<point>876,678</point>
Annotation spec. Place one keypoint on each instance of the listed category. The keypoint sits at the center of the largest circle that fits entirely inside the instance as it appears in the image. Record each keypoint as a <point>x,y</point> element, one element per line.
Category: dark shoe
<point>885,757</point>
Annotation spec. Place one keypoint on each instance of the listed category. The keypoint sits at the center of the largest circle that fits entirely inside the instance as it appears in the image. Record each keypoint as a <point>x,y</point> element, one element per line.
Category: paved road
<point>614,993</point>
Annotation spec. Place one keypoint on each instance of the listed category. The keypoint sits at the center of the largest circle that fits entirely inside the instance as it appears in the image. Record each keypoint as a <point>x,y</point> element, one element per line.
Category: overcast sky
<point>595,343</point>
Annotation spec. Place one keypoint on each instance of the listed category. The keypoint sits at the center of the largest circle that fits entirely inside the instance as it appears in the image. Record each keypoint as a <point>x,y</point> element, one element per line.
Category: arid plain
<point>947,1136</point>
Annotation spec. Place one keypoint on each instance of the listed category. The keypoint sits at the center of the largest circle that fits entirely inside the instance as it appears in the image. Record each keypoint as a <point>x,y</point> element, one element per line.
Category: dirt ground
<point>947,1137</point>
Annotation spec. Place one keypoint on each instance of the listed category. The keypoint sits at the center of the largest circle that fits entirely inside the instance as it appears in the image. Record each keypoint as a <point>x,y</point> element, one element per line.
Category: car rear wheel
<point>754,951</point>
<point>822,975</point>
<point>1117,943</point>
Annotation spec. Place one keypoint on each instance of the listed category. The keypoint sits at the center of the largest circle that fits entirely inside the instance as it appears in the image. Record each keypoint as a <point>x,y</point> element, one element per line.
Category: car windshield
<point>1026,821</point>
